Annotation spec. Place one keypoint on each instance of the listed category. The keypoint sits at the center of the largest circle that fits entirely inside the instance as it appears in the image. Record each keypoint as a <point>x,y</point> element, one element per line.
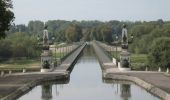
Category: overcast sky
<point>104,10</point>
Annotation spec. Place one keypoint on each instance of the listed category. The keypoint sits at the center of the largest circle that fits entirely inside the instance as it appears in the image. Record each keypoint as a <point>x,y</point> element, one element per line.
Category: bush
<point>159,53</point>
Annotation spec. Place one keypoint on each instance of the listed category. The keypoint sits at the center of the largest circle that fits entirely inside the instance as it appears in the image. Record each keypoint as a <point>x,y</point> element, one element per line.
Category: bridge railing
<point>66,51</point>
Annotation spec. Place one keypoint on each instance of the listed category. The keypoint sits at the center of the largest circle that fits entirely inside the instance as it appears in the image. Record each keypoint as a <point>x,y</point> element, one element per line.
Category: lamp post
<point>116,49</point>
<point>53,38</point>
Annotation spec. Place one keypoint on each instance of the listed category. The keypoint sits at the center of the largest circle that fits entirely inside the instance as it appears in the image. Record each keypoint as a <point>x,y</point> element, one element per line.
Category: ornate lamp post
<point>46,55</point>
<point>125,55</point>
<point>124,38</point>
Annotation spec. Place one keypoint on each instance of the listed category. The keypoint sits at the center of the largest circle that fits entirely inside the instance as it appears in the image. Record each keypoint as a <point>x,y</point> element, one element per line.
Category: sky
<point>103,10</point>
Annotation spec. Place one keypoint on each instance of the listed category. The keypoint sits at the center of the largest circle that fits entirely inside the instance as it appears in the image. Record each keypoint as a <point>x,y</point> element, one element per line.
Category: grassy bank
<point>139,61</point>
<point>22,63</point>
<point>58,55</point>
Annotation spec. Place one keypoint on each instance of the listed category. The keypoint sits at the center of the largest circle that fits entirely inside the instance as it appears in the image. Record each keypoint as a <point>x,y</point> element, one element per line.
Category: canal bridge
<point>14,85</point>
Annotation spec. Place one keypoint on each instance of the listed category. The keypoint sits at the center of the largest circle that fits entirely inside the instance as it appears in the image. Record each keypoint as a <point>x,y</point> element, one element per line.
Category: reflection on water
<point>46,92</point>
<point>86,83</point>
<point>125,91</point>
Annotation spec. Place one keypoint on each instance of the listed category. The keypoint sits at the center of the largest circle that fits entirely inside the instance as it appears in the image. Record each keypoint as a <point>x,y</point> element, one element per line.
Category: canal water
<point>86,83</point>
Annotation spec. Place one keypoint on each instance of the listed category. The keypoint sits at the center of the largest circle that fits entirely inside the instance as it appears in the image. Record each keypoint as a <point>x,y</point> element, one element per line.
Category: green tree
<point>35,27</point>
<point>159,53</point>
<point>5,49</point>
<point>6,16</point>
<point>73,33</point>
<point>107,31</point>
<point>24,45</point>
<point>87,34</point>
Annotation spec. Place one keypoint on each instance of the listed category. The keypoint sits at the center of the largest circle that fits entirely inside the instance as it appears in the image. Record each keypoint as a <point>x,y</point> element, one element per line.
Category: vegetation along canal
<point>86,83</point>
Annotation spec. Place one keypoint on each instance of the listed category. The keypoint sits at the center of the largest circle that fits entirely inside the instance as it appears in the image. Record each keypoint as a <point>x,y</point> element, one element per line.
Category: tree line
<point>146,35</point>
<point>73,31</point>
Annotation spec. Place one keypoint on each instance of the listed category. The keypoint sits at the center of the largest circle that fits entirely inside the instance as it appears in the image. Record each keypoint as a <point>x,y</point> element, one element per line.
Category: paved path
<point>104,60</point>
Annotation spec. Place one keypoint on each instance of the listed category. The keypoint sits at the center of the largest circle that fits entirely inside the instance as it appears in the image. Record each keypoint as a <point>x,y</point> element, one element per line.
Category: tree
<point>73,33</point>
<point>5,49</point>
<point>35,27</point>
<point>106,31</point>
<point>87,34</point>
<point>159,53</point>
<point>23,45</point>
<point>6,16</point>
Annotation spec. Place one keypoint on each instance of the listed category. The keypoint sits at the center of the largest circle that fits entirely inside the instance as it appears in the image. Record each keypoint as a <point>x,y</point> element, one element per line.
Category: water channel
<point>86,83</point>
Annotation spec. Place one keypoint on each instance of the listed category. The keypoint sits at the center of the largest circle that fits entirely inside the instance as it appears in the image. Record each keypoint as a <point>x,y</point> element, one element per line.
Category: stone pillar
<point>124,61</point>
<point>167,70</point>
<point>24,70</point>
<point>2,73</point>
<point>159,70</point>
<point>10,71</point>
<point>146,69</point>
<point>46,61</point>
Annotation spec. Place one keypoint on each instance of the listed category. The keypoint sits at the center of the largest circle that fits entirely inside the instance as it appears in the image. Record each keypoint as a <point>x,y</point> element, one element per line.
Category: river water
<point>86,83</point>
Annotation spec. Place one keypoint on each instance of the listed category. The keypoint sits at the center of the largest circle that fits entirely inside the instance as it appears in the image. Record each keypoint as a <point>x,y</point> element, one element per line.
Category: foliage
<point>73,33</point>
<point>24,63</point>
<point>106,32</point>
<point>35,27</point>
<point>63,30</point>
<point>6,16</point>
<point>145,33</point>
<point>159,53</point>
<point>19,45</point>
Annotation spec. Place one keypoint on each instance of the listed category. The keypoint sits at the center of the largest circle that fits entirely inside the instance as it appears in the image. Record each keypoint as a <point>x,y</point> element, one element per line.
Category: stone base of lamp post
<point>45,70</point>
<point>46,61</point>
<point>124,64</point>
<point>123,69</point>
